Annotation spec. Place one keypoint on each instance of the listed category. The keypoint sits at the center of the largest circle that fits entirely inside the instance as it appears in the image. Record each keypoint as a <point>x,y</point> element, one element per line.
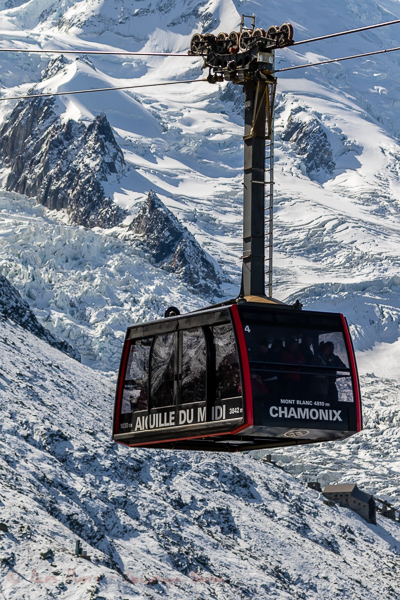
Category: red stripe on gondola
<point>120,386</point>
<point>244,357</point>
<point>354,373</point>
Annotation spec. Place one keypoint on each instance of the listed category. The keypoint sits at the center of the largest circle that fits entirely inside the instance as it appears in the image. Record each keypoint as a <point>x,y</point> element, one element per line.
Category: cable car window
<point>228,383</point>
<point>300,370</point>
<point>293,363</point>
<point>162,370</point>
<point>194,366</point>
<point>136,394</point>
<point>335,349</point>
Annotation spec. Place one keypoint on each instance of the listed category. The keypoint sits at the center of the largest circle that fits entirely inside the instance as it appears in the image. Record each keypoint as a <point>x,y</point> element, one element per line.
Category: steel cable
<point>347,32</point>
<point>94,52</point>
<point>333,60</point>
<point>109,89</point>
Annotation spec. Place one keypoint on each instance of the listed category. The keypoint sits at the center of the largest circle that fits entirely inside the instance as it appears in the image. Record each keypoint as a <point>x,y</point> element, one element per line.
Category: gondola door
<point>180,379</point>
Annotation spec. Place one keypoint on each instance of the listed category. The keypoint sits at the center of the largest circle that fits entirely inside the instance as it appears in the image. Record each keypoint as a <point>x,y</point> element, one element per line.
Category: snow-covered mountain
<point>62,165</point>
<point>337,127</point>
<point>156,524</point>
<point>171,157</point>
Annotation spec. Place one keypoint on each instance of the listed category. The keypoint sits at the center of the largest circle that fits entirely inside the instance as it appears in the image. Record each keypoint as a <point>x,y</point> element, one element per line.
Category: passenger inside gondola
<point>261,354</point>
<point>274,354</point>
<point>228,377</point>
<point>306,349</point>
<point>292,377</point>
<point>331,360</point>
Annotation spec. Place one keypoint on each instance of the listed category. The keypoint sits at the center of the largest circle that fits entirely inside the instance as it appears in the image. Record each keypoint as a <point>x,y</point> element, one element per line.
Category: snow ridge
<point>174,248</point>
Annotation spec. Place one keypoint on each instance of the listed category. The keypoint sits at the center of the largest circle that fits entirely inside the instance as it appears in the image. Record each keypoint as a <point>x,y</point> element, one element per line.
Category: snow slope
<point>157,523</point>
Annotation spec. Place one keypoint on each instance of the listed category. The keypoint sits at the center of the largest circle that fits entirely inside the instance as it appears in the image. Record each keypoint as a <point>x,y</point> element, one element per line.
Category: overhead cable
<point>178,54</point>
<point>109,89</point>
<point>332,35</point>
<point>335,60</point>
<point>95,52</point>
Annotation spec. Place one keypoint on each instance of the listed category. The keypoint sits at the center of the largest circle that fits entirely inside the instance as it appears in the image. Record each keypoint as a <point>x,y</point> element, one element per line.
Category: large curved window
<point>194,366</point>
<point>162,369</point>
<point>227,374</point>
<point>301,365</point>
<point>300,369</point>
<point>136,394</point>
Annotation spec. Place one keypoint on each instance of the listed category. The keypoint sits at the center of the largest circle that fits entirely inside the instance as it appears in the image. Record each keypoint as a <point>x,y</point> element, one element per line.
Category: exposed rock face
<point>311,142</point>
<point>55,65</point>
<point>13,307</point>
<point>173,247</point>
<point>62,165</point>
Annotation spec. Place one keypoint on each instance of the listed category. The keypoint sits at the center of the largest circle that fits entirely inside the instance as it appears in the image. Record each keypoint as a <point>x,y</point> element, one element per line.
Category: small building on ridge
<point>348,495</point>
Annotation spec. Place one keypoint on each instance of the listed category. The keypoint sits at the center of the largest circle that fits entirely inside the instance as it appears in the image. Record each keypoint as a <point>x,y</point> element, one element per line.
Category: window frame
<point>150,407</point>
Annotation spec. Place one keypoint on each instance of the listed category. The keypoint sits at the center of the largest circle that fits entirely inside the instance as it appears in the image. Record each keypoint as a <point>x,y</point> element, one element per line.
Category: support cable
<point>109,89</point>
<point>332,35</point>
<point>336,60</point>
<point>95,52</point>
<point>176,54</point>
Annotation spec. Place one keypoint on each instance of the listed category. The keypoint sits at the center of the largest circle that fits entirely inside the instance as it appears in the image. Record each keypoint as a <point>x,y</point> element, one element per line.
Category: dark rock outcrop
<point>62,164</point>
<point>311,143</point>
<point>173,247</point>
<point>54,66</point>
<point>13,307</point>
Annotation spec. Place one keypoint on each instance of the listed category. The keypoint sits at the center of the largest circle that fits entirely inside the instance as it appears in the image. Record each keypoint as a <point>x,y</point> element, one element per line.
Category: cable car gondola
<point>253,372</point>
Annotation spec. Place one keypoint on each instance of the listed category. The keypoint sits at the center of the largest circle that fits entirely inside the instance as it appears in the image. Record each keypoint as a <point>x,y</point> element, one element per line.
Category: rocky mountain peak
<point>172,246</point>
<point>101,144</point>
<point>62,164</point>
<point>310,141</point>
<point>55,66</point>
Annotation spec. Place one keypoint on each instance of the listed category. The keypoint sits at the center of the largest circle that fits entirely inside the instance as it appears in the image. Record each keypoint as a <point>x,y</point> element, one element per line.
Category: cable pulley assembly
<point>241,41</point>
<point>241,55</point>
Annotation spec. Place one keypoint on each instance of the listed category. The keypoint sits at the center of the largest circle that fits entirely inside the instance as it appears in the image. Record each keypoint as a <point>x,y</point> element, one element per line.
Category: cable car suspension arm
<point>246,58</point>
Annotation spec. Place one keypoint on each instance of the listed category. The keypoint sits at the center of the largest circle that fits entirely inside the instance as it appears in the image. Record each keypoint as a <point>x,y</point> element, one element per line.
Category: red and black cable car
<point>250,373</point>
<point>238,377</point>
